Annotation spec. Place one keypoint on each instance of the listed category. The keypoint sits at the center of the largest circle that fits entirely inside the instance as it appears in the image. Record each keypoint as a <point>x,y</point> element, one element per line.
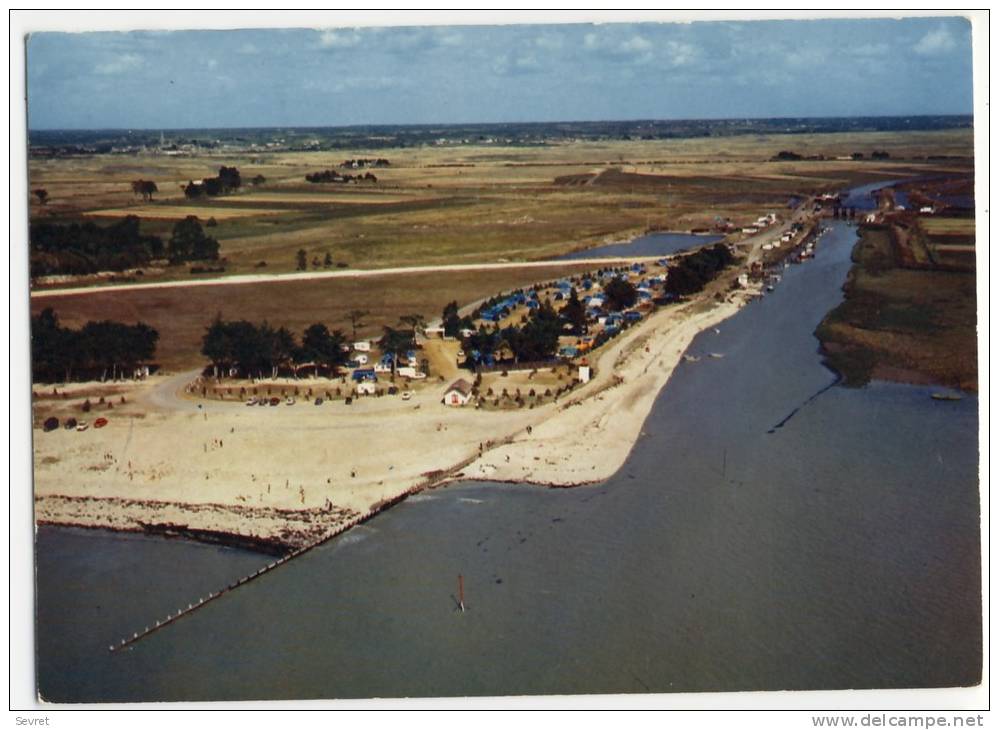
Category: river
<point>839,550</point>
<point>651,244</point>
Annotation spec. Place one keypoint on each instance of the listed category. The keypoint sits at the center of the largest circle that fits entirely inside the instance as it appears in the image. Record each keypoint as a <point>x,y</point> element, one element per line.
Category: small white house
<point>743,280</point>
<point>363,346</point>
<point>432,332</point>
<point>584,373</point>
<point>410,372</point>
<point>361,359</point>
<point>459,393</point>
<point>365,387</point>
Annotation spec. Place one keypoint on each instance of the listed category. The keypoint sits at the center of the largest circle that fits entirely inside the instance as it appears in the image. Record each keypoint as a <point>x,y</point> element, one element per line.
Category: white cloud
<point>681,54</point>
<point>636,44</point>
<point>636,49</point>
<point>338,39</point>
<point>935,42</point>
<point>549,42</point>
<point>870,50</point>
<point>120,64</point>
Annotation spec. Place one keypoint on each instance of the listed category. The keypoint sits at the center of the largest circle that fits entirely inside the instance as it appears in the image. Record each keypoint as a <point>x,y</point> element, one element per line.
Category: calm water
<point>841,550</point>
<point>654,244</point>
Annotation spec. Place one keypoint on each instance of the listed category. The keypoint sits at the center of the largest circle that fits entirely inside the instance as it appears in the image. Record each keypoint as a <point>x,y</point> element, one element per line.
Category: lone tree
<point>356,317</point>
<point>620,294</point>
<point>145,188</point>
<point>416,322</point>
<point>302,262</point>
<point>574,313</point>
<point>42,194</point>
<point>395,342</point>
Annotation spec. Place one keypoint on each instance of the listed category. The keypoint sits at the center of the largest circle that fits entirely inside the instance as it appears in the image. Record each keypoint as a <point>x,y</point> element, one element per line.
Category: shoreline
<point>348,465</point>
<point>283,530</point>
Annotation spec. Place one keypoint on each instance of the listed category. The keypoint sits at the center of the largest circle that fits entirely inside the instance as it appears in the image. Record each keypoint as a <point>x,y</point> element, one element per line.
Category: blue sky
<point>461,74</point>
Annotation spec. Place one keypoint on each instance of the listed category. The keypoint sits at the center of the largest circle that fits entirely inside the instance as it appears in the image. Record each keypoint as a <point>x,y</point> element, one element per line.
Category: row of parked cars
<point>71,424</point>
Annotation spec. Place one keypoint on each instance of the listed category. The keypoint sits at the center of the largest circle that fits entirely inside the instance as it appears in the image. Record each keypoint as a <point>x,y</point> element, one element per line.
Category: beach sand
<point>291,475</point>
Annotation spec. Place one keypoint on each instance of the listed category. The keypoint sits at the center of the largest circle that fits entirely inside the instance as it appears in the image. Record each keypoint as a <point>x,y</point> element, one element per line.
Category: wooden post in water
<point>461,593</point>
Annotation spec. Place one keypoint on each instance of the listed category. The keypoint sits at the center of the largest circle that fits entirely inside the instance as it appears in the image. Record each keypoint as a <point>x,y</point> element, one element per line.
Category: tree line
<point>86,248</point>
<point>689,274</point>
<point>97,350</point>
<point>259,350</point>
<point>332,176</point>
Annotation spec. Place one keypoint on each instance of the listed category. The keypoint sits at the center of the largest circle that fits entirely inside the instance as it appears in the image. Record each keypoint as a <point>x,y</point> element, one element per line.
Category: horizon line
<point>497,123</point>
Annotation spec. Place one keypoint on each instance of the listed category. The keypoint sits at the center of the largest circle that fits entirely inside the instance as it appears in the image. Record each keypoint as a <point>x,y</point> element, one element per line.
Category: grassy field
<point>181,315</point>
<point>902,324</point>
<point>480,203</point>
<point>441,205</point>
<point>948,226</point>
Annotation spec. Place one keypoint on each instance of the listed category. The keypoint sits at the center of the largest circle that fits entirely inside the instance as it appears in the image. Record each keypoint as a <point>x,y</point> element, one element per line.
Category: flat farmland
<point>948,226</point>
<point>179,212</point>
<point>478,203</point>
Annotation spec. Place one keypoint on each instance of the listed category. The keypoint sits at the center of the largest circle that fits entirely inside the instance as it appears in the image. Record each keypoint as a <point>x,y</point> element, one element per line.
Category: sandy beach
<point>291,475</point>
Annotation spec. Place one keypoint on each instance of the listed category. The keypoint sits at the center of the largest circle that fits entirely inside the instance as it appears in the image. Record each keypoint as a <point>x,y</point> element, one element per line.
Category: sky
<point>500,73</point>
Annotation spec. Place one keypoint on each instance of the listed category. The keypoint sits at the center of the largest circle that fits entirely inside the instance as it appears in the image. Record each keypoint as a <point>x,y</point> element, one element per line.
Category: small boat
<point>319,401</point>
<point>275,401</point>
<point>70,424</point>
<point>289,401</point>
<point>407,394</point>
<point>82,426</point>
<point>716,355</point>
<point>100,422</point>
<point>946,396</point>
<point>251,401</point>
<point>691,358</point>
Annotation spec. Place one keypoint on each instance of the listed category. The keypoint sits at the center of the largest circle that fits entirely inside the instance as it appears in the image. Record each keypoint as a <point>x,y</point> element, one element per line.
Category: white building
<point>459,393</point>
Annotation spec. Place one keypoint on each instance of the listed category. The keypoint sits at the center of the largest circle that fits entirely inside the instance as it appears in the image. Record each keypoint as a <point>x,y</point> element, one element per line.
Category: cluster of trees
<point>98,349</point>
<point>362,162</point>
<point>189,242</point>
<point>85,248</point>
<point>256,350</point>
<point>227,181</point>
<point>332,176</point>
<point>690,273</point>
<point>535,341</point>
<point>145,188</point>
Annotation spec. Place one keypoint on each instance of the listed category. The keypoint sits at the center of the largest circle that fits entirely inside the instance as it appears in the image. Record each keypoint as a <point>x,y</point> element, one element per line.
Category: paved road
<point>338,274</point>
